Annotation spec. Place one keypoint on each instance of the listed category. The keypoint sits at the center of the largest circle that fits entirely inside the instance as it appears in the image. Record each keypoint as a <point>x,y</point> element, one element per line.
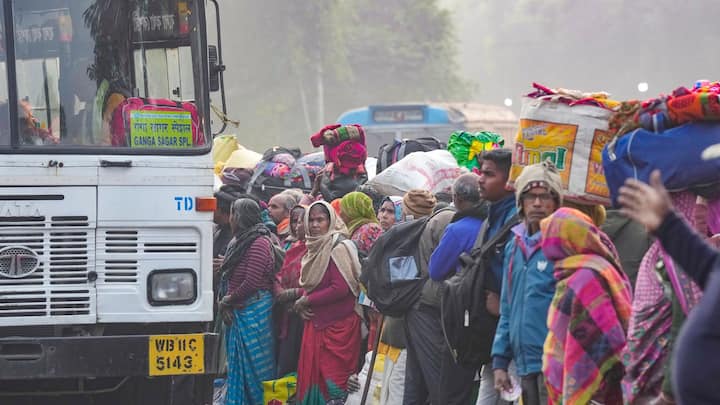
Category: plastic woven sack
<point>466,146</point>
<point>572,137</point>
<point>434,171</point>
<point>280,391</point>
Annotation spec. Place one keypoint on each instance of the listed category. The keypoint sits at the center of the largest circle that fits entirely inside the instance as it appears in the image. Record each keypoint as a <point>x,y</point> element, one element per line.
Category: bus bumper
<point>94,356</point>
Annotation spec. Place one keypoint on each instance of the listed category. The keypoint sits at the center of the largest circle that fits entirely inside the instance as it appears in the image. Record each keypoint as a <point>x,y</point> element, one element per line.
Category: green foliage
<point>358,51</point>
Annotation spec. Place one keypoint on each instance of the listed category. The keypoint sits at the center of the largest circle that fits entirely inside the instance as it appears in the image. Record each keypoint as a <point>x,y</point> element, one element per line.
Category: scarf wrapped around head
<point>322,248</point>
<point>247,222</point>
<point>588,319</point>
<point>357,208</point>
<point>335,204</point>
<point>418,203</point>
<point>397,204</point>
<point>572,241</point>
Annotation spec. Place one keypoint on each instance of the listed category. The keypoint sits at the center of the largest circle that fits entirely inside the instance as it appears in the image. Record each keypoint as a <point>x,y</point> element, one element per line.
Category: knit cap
<point>543,174</point>
<point>418,203</point>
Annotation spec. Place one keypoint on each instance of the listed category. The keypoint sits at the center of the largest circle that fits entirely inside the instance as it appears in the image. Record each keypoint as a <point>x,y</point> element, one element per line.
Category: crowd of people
<point>569,329</point>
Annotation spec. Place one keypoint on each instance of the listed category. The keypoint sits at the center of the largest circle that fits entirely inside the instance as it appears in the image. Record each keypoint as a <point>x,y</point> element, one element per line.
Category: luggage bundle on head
<point>392,153</point>
<point>281,169</point>
<point>678,134</point>
<point>390,273</point>
<point>467,324</point>
<point>345,154</point>
<point>569,128</point>
<point>467,146</point>
<point>156,123</point>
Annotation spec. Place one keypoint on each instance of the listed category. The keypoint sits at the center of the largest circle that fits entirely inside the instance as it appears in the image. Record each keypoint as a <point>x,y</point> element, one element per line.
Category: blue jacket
<point>528,288</point>
<point>500,212</point>
<point>459,237</point>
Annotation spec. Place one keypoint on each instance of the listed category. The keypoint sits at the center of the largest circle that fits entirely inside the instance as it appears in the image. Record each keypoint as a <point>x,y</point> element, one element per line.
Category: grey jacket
<point>428,242</point>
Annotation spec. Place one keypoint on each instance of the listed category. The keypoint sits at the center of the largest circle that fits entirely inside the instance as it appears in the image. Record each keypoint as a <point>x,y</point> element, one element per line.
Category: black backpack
<point>468,327</point>
<point>391,153</point>
<point>391,274</point>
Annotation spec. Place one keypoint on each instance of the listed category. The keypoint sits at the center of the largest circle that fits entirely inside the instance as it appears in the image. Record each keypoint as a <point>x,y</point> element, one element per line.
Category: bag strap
<point>675,281</point>
<point>383,157</point>
<point>500,234</point>
<point>481,236</point>
<point>401,150</point>
<point>258,171</point>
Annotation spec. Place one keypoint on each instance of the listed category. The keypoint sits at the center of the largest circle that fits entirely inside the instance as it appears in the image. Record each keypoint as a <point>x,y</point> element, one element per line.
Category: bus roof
<point>428,113</point>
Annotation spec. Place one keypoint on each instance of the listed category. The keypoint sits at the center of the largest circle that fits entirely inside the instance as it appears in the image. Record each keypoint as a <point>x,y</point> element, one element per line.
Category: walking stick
<point>372,361</point>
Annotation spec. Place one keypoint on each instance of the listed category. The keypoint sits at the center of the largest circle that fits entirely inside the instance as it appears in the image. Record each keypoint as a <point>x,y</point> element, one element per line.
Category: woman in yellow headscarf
<point>356,209</point>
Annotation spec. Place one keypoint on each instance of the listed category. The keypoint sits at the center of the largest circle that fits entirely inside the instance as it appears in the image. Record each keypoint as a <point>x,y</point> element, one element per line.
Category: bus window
<point>101,73</point>
<point>164,73</point>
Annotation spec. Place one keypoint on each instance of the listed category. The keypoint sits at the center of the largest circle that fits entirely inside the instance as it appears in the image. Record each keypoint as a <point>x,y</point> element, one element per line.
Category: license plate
<point>176,354</point>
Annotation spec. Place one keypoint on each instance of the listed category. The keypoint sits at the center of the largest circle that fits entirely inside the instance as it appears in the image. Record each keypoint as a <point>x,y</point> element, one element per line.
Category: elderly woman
<point>246,305</point>
<point>390,212</point>
<point>331,339</point>
<point>289,323</point>
<point>589,314</point>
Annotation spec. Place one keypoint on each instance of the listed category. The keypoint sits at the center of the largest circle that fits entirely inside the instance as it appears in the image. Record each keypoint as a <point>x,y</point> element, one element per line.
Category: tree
<point>295,66</point>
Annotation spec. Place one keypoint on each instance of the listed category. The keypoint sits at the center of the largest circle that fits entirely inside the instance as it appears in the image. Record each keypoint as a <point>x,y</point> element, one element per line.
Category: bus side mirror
<point>216,68</point>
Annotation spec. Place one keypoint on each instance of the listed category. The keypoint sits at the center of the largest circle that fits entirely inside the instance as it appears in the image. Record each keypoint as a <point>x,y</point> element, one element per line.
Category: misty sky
<point>591,45</point>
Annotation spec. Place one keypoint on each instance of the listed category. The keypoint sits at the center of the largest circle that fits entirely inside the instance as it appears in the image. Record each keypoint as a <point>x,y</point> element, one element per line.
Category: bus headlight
<point>172,287</point>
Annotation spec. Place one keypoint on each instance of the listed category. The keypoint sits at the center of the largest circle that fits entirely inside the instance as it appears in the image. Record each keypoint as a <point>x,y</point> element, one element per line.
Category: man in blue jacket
<point>494,174</point>
<point>528,286</point>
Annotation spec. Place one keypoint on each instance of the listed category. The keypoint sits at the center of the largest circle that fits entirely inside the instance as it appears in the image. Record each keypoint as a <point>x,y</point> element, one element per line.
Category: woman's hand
<point>217,263</point>
<point>226,310</point>
<point>302,307</point>
<point>288,295</point>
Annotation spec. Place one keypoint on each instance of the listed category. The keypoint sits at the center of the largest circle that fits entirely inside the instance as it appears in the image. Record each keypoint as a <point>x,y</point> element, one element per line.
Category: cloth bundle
<point>573,97</point>
<point>682,106</point>
<point>344,148</point>
<point>466,146</point>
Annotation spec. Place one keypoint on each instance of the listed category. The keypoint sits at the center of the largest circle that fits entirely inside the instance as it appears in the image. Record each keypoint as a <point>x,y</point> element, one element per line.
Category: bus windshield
<point>89,74</point>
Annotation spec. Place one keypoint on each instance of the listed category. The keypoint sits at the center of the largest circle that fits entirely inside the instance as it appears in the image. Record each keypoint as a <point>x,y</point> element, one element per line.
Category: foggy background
<point>294,66</point>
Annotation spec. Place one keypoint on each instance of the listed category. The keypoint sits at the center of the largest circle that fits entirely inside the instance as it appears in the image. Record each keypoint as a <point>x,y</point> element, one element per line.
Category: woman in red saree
<point>331,337</point>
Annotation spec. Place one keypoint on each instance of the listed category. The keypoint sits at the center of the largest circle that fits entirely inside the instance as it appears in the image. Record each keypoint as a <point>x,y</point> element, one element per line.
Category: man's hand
<point>353,383</point>
<point>492,303</point>
<point>317,183</point>
<point>646,204</point>
<point>502,380</point>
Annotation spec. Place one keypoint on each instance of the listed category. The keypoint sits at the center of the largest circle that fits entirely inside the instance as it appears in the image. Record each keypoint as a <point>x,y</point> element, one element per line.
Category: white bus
<point>106,201</point>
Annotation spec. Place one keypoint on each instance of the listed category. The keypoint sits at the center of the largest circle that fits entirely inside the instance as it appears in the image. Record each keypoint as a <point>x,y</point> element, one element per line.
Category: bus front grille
<point>59,286</point>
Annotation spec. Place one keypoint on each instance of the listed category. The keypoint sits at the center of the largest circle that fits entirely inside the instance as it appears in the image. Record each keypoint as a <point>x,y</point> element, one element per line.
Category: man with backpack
<point>528,286</point>
<point>422,329</point>
<point>494,174</point>
<point>456,379</point>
